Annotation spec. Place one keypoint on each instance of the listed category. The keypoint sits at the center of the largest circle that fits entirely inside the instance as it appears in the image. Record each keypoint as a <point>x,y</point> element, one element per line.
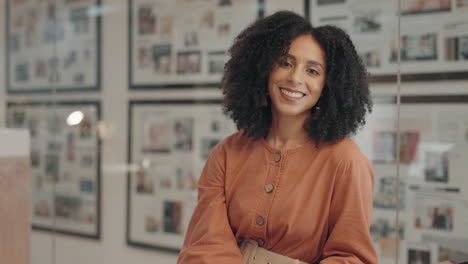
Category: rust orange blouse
<point>308,203</point>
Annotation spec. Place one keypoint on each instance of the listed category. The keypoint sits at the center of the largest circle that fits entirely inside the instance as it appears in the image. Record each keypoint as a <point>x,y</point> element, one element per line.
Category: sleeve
<point>349,240</point>
<point>209,237</point>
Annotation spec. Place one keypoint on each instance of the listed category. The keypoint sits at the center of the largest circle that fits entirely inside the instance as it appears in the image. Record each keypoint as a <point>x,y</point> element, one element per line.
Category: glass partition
<point>121,101</point>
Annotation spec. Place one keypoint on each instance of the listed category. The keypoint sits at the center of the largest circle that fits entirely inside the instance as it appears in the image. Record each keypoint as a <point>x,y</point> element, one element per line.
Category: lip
<point>288,98</point>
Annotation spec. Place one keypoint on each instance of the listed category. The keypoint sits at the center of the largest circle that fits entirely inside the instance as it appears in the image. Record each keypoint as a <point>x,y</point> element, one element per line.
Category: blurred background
<point>121,102</point>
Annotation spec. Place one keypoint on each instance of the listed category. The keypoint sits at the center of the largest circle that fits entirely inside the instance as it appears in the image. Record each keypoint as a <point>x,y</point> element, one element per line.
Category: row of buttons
<point>268,189</point>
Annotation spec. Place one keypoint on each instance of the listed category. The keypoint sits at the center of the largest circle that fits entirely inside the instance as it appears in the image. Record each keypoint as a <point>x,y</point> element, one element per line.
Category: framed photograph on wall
<point>65,160</point>
<point>52,46</point>
<point>173,49</point>
<point>432,151</point>
<point>169,142</point>
<point>432,40</point>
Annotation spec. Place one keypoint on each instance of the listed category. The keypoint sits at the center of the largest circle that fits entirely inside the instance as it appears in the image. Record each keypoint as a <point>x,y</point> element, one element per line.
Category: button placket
<point>260,221</point>
<point>269,188</point>
<point>277,157</point>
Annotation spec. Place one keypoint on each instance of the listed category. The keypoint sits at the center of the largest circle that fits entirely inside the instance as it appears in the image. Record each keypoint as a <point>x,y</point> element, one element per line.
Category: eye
<point>284,63</point>
<point>312,72</point>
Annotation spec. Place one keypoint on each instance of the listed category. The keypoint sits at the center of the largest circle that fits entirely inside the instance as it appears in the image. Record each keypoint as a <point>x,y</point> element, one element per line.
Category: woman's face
<point>296,81</point>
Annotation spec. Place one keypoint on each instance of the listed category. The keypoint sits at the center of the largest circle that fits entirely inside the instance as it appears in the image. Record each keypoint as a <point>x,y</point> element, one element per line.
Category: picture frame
<point>427,193</point>
<point>53,46</point>
<point>170,51</point>
<point>435,49</point>
<point>169,142</point>
<point>66,164</point>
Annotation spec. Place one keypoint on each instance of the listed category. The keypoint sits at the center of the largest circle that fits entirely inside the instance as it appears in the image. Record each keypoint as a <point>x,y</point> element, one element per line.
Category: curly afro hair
<point>345,98</point>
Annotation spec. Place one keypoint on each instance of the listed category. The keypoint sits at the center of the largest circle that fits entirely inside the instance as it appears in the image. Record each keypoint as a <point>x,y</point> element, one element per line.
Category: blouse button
<point>269,188</point>
<point>260,220</point>
<point>277,157</point>
<point>260,242</point>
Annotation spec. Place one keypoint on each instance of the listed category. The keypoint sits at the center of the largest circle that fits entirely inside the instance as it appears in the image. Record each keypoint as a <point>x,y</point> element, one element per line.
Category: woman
<point>290,179</point>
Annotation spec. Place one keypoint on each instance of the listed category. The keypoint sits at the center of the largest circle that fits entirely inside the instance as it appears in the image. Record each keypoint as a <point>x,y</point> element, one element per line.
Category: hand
<point>294,262</point>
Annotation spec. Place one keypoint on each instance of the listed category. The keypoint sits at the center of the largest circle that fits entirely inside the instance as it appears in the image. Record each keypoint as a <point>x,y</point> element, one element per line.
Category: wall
<point>112,247</point>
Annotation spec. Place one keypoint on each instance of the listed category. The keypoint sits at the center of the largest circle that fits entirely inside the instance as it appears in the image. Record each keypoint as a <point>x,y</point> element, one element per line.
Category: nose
<point>295,76</point>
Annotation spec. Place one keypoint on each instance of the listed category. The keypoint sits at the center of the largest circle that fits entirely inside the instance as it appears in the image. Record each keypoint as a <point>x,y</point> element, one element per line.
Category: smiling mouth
<point>292,94</point>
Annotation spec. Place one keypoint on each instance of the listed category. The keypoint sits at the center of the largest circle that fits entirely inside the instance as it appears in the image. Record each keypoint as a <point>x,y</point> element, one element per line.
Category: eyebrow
<point>310,62</point>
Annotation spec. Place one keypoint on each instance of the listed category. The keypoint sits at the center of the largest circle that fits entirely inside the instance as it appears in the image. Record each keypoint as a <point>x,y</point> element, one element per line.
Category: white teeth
<point>291,94</point>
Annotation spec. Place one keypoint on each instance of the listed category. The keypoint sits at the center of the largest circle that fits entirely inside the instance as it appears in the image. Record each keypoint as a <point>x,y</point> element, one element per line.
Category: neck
<point>287,133</point>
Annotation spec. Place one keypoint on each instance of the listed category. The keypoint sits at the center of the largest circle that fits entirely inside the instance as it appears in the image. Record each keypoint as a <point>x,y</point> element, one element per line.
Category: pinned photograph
<point>55,124</point>
<point>330,2</point>
<point>156,136</point>
<point>410,7</point>
<point>216,61</point>
<point>384,147</point>
<point>462,3</point>
<point>22,72</point>
<point>70,59</point>
<point>167,27</point>
<point>41,209</point>
<point>78,78</point>
<point>152,224</point>
<point>421,47</point>
<point>14,42</point>
<point>207,20</point>
<point>191,39</point>
<point>85,128</point>
<point>71,146</point>
<point>144,182</point>
<point>463,48</point>
<point>67,206</point>
<point>434,217</point>
<point>31,28</point>
<point>436,166</point>
<point>33,126</point>
<point>185,179</point>
<point>86,186</point>
<point>162,59</point>
<point>224,29</point>
<point>416,256</point>
<point>173,217</point>
<point>384,144</point>
<point>183,134</point>
<point>371,59</point>
<point>35,158</point>
<point>386,191</point>
<point>87,160</point>
<point>18,119</point>
<point>80,19</point>
<point>41,69</point>
<point>52,168</point>
<point>188,62</point>
<point>222,3</point>
<point>383,232</point>
<point>165,181</point>
<point>144,57</point>
<point>368,20</point>
<point>146,20</point>
<point>206,145</point>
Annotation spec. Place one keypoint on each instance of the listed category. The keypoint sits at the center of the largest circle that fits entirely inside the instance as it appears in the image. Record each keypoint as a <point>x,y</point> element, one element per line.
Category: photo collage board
<point>52,45</point>
<point>183,43</point>
<point>169,144</point>
<point>434,36</point>
<point>431,188</point>
<point>65,160</point>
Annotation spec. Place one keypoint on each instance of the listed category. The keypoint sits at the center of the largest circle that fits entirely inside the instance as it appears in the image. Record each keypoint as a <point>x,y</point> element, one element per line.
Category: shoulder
<point>236,142</point>
<point>346,151</point>
<point>233,147</point>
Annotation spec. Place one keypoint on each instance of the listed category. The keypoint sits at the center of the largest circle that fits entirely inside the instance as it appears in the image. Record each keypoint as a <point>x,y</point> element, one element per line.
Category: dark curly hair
<point>345,98</point>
